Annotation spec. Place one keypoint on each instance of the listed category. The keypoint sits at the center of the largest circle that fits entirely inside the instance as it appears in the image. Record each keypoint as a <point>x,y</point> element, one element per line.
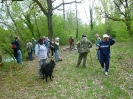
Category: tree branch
<point>41,7</point>
<point>66,3</point>
<point>113,18</point>
<point>118,7</point>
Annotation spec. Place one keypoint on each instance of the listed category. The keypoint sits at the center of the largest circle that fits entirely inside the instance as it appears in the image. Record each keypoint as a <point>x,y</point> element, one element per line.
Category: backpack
<point>13,46</point>
<point>29,48</point>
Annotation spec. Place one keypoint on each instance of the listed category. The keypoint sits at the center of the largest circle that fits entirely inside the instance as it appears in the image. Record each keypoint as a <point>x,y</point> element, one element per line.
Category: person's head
<point>96,36</point>
<point>41,41</point>
<point>17,38</point>
<point>105,37</point>
<point>70,36</point>
<point>44,37</point>
<point>57,39</point>
<point>33,38</point>
<point>84,36</point>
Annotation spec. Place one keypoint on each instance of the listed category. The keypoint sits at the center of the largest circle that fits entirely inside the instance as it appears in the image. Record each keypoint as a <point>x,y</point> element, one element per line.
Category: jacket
<point>84,45</point>
<point>41,51</point>
<point>104,47</point>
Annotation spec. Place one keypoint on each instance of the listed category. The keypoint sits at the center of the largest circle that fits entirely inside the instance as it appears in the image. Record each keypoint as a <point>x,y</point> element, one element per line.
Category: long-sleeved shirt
<point>16,42</point>
<point>104,47</point>
<point>41,51</point>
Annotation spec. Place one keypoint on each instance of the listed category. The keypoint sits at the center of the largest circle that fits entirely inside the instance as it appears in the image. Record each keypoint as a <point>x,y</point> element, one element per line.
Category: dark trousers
<point>30,55</point>
<point>52,52</point>
<point>80,57</point>
<point>104,59</point>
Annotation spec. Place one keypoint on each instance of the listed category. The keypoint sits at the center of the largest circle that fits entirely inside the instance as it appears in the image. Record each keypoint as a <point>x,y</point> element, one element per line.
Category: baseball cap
<point>105,35</point>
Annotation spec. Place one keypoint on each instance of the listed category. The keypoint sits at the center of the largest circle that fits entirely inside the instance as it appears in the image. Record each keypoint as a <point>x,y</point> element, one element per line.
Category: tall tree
<point>118,10</point>
<point>47,8</point>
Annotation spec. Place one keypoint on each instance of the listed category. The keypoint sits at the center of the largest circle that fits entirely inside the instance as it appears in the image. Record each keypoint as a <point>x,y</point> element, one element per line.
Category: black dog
<point>47,69</point>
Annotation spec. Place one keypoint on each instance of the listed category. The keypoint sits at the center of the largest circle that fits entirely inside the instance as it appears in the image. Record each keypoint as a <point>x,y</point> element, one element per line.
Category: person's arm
<point>112,41</point>
<point>90,44</point>
<point>98,46</point>
<point>37,50</point>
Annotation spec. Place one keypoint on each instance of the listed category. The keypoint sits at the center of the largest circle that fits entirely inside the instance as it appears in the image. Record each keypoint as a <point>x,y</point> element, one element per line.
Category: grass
<point>69,82</point>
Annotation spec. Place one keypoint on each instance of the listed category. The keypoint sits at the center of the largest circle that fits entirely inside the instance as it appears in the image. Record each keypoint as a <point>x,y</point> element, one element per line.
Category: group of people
<point>102,48</point>
<point>44,46</point>
<point>40,49</point>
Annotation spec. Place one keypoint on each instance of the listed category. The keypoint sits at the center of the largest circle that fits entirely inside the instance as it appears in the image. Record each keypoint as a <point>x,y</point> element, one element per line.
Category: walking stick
<point>91,58</point>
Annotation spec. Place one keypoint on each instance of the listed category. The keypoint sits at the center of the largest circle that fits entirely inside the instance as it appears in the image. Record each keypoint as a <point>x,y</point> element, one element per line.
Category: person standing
<point>47,44</point>
<point>98,40</point>
<point>83,47</point>
<point>41,53</point>
<point>29,49</point>
<point>17,50</point>
<point>56,48</point>
<point>104,47</point>
<point>52,48</point>
<point>33,45</point>
<point>71,42</point>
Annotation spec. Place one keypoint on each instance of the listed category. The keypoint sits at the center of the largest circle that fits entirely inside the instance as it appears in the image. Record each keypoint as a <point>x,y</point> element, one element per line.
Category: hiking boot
<point>106,73</point>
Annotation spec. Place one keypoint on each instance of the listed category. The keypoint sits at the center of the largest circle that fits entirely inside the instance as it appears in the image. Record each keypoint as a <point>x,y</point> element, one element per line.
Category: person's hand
<point>97,48</point>
<point>38,59</point>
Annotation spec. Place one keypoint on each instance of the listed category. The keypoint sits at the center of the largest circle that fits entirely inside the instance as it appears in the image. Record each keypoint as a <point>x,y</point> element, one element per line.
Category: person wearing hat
<point>83,47</point>
<point>104,47</point>
<point>98,40</point>
<point>56,48</point>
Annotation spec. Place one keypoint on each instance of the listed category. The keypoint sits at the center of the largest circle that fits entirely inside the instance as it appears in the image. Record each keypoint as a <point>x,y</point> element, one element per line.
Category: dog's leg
<point>46,77</point>
<point>50,77</point>
<point>43,76</point>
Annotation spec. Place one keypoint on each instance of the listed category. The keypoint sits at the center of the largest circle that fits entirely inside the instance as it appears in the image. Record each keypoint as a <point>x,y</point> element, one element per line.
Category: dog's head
<point>52,63</point>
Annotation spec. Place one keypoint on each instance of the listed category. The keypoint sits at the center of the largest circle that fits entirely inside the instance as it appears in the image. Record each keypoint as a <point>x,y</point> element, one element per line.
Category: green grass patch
<point>69,82</point>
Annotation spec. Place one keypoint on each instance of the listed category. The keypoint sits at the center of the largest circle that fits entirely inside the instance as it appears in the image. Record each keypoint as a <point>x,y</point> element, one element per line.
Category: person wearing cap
<point>98,40</point>
<point>83,47</point>
<point>104,47</point>
<point>56,48</point>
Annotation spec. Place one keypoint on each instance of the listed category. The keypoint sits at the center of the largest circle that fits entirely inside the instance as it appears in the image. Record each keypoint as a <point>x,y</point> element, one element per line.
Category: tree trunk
<point>49,18</point>
<point>50,28</point>
<point>76,21</point>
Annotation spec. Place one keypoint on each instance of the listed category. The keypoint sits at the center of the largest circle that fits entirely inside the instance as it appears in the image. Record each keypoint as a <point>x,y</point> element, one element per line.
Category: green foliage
<point>31,23</point>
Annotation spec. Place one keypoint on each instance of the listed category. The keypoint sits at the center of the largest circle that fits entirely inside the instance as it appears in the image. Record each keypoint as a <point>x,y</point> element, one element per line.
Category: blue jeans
<point>98,55</point>
<point>19,56</point>
<point>30,55</point>
<point>42,61</point>
<point>56,55</point>
<point>104,59</point>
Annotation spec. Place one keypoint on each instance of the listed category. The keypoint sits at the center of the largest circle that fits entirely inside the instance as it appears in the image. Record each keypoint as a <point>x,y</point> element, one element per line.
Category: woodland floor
<point>69,82</point>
